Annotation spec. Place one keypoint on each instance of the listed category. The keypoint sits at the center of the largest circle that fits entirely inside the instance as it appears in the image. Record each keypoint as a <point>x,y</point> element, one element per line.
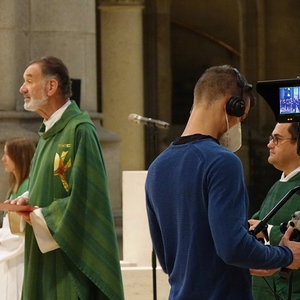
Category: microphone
<point>148,121</point>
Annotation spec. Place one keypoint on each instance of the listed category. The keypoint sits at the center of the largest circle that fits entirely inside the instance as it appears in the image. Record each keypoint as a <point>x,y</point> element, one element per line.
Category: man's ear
<point>52,86</point>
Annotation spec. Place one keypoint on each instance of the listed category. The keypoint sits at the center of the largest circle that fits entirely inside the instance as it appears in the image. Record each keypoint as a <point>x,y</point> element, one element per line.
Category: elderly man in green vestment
<point>70,243</point>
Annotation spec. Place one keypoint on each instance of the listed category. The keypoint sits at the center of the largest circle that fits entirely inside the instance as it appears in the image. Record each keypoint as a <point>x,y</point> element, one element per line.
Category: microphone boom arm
<point>263,223</point>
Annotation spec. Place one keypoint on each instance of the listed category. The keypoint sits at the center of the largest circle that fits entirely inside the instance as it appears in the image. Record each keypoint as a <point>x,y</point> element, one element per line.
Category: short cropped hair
<point>293,130</point>
<point>54,67</point>
<point>221,81</point>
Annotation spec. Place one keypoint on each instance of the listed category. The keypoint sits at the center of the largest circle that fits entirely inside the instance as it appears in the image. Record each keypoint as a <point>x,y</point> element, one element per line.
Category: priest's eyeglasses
<point>278,139</point>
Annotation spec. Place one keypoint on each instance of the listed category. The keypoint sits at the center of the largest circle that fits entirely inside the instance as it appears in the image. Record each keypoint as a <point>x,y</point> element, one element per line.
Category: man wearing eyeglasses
<point>283,156</point>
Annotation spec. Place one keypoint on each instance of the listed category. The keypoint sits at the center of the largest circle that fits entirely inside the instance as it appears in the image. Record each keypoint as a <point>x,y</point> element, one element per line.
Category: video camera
<point>295,223</point>
<point>283,97</point>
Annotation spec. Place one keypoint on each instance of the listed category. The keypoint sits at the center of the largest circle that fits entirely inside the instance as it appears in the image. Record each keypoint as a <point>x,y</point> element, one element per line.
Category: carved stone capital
<point>121,2</point>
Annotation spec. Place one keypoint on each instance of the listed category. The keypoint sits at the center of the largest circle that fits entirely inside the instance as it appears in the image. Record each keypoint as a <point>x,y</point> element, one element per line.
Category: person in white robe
<point>18,153</point>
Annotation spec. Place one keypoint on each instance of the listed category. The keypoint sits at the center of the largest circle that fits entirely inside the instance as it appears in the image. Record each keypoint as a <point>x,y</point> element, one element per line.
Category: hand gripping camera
<point>295,223</point>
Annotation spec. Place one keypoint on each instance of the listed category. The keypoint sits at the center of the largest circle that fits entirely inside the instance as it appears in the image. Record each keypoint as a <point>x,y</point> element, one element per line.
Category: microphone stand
<point>153,256</point>
<point>263,223</point>
<point>153,124</point>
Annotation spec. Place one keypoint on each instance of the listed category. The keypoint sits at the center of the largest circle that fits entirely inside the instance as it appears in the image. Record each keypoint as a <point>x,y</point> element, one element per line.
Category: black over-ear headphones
<point>235,105</point>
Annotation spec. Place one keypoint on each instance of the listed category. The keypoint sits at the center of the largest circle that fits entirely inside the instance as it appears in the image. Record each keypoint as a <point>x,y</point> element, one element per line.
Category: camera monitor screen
<point>283,97</point>
<point>289,100</point>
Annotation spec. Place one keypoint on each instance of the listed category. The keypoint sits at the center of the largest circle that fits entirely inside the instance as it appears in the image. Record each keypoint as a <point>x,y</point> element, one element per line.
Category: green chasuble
<point>68,181</point>
<point>262,285</point>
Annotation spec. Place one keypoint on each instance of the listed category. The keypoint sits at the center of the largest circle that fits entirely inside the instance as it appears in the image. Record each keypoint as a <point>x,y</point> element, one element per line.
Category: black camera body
<point>295,223</point>
<point>295,236</point>
<point>283,97</point>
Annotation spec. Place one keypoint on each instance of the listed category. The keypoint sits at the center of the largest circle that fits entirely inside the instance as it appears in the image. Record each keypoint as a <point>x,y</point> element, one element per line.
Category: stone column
<point>66,29</point>
<point>254,18</point>
<point>158,83</point>
<point>122,76</point>
<point>14,121</point>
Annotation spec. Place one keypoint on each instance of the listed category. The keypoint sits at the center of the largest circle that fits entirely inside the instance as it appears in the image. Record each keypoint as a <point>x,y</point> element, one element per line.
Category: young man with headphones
<point>197,201</point>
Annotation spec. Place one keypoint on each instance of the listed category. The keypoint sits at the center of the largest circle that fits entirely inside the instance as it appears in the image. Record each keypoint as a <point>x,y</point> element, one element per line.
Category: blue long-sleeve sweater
<point>197,206</point>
